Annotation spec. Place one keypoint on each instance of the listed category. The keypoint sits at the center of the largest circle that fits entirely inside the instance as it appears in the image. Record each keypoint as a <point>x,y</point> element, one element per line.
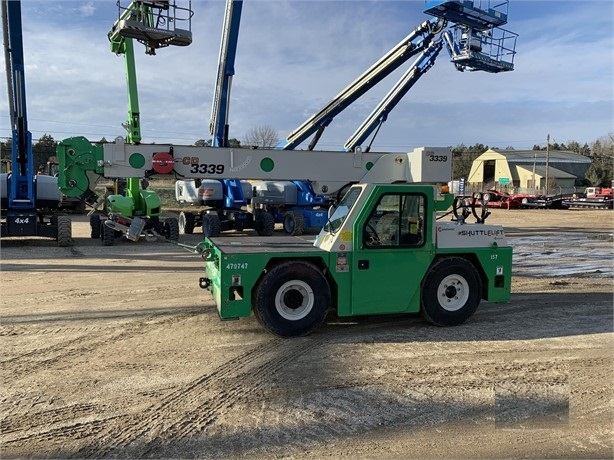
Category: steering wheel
<point>373,237</point>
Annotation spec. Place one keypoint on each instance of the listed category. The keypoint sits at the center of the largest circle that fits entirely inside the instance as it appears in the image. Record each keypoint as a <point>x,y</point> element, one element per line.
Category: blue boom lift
<point>226,200</point>
<point>471,32</point>
<point>475,41</point>
<point>27,200</point>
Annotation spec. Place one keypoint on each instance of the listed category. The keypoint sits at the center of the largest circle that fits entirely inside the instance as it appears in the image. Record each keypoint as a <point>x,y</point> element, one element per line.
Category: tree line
<point>600,173</point>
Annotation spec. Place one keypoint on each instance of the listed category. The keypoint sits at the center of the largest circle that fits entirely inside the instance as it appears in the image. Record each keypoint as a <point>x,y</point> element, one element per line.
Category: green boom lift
<point>130,209</point>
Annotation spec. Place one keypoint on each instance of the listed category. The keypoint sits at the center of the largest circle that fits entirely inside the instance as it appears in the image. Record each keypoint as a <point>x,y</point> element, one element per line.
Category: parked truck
<point>592,198</point>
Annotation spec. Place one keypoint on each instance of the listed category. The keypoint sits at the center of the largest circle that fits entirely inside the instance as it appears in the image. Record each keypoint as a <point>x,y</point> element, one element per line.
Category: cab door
<point>392,252</point>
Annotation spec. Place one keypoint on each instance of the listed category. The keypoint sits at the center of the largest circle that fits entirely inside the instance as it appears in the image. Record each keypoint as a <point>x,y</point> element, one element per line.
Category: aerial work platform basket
<point>475,39</point>
<point>479,14</point>
<point>155,23</point>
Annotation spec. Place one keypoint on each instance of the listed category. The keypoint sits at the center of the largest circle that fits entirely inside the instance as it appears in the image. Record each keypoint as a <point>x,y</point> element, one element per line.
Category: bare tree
<point>263,136</point>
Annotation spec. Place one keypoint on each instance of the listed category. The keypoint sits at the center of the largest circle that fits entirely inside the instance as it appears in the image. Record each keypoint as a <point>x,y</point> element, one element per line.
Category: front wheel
<point>187,222</point>
<point>212,226</point>
<point>265,224</point>
<point>95,226</point>
<point>107,234</point>
<point>64,231</point>
<point>292,299</point>
<point>451,292</point>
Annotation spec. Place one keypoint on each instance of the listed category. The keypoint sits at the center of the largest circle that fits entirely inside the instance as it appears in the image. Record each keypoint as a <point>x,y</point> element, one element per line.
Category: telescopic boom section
<point>21,185</point>
<point>416,42</point>
<point>218,126</point>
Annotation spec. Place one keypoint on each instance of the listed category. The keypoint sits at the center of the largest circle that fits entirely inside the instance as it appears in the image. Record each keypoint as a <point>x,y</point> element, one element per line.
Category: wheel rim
<point>453,292</point>
<point>294,300</point>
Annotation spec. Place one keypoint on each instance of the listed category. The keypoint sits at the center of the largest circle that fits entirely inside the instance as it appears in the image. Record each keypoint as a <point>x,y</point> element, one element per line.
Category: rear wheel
<point>95,226</point>
<point>64,229</point>
<point>171,229</point>
<point>292,299</point>
<point>211,225</point>
<point>187,222</point>
<point>451,292</point>
<point>265,224</point>
<point>294,223</point>
<point>107,234</point>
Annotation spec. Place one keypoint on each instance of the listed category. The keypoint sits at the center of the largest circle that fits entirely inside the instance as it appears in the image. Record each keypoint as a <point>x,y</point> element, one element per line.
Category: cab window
<point>396,221</point>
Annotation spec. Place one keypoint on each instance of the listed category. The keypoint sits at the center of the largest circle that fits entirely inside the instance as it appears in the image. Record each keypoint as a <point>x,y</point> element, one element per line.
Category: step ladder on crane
<point>476,41</point>
<point>154,23</point>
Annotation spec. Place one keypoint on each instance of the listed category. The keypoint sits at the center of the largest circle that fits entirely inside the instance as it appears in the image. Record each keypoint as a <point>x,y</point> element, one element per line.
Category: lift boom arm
<point>417,41</point>
<point>21,190</point>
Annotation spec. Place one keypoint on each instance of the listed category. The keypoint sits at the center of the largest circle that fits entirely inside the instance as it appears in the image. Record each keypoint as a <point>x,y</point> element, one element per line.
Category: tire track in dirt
<point>60,352</point>
<point>18,420</point>
<point>192,408</point>
<point>195,406</point>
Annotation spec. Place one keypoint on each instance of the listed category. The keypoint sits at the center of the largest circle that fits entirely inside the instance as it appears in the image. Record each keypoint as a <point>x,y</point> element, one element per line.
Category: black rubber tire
<point>211,225</point>
<point>295,282</point>
<point>107,234</point>
<point>294,223</point>
<point>171,229</point>
<point>265,224</point>
<point>55,216</point>
<point>95,223</point>
<point>64,231</point>
<point>187,222</point>
<point>451,292</point>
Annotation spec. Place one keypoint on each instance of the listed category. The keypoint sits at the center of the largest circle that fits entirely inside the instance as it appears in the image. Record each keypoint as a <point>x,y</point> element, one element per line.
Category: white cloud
<point>87,9</point>
<point>294,56</point>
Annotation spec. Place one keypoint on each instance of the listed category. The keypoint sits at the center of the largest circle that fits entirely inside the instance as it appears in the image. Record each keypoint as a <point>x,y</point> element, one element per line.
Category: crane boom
<point>82,161</point>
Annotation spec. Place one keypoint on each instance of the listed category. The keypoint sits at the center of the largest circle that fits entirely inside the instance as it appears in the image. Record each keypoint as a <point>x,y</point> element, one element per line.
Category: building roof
<point>540,171</point>
<point>539,156</point>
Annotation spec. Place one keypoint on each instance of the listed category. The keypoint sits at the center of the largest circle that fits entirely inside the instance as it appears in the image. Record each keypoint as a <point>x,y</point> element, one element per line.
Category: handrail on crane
<point>154,23</point>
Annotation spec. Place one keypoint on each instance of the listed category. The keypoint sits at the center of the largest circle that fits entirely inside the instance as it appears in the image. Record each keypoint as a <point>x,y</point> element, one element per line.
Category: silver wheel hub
<point>294,300</point>
<point>453,292</point>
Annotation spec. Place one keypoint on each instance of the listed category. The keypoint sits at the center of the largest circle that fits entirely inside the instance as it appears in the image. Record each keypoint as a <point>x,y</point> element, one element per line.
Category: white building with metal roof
<point>527,170</point>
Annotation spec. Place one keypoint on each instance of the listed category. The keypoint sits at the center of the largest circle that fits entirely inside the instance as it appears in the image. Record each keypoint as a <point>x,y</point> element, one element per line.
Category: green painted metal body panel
<point>495,267</point>
<point>234,266</point>
<point>364,280</point>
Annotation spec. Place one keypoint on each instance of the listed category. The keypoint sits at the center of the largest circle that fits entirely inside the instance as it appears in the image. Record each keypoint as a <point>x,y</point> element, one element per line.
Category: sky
<point>294,56</point>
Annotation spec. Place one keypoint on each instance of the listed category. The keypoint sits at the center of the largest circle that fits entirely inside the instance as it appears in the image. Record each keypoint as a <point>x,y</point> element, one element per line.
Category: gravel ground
<point>114,352</point>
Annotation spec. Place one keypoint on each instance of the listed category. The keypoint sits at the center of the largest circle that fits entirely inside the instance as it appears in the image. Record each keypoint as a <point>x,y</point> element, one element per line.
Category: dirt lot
<point>116,352</point>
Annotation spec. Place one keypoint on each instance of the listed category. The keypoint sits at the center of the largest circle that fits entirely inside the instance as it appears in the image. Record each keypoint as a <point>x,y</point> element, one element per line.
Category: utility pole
<point>534,159</point>
<point>547,161</point>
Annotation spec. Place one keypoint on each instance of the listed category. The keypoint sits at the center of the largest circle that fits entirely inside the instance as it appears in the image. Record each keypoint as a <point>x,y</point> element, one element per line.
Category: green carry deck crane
<point>385,248</point>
